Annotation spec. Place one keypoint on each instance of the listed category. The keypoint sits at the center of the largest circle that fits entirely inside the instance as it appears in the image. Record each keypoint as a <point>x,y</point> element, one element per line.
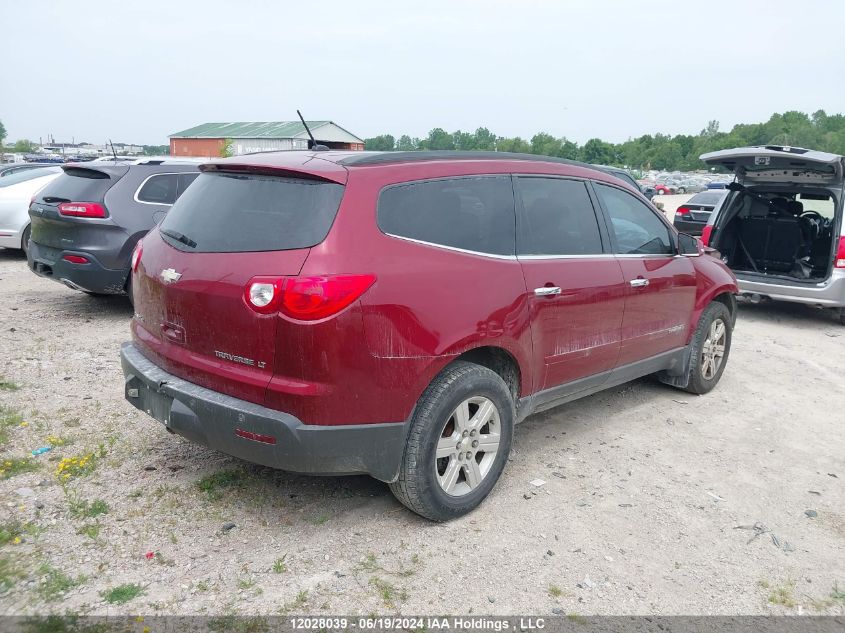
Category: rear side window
<point>233,213</point>
<point>474,214</point>
<point>637,229</point>
<point>159,189</point>
<point>77,185</point>
<point>557,218</point>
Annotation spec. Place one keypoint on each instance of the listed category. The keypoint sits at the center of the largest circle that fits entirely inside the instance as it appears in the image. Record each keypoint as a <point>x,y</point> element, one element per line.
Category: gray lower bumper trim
<point>211,419</point>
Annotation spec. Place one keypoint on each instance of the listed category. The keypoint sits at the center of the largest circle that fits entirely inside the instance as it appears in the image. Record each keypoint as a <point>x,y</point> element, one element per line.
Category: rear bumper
<point>93,276</point>
<point>829,294</point>
<point>213,419</point>
<point>10,238</point>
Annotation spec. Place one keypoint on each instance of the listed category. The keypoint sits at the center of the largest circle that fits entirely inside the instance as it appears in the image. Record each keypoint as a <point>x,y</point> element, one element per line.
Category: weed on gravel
<point>279,566</point>
<point>79,465</point>
<point>12,531</point>
<point>10,573</point>
<point>8,420</point>
<point>122,593</point>
<point>784,594</point>
<point>84,509</point>
<point>56,583</point>
<point>214,484</point>
<point>7,385</point>
<point>15,466</point>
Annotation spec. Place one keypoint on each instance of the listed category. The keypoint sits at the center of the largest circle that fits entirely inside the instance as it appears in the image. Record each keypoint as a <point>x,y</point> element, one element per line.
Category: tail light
<point>136,254</point>
<point>75,259</point>
<point>705,234</point>
<point>682,211</point>
<point>305,298</point>
<point>839,261</point>
<point>82,209</point>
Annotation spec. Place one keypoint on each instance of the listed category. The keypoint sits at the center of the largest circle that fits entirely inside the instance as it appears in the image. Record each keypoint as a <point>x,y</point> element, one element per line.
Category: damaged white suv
<point>780,227</point>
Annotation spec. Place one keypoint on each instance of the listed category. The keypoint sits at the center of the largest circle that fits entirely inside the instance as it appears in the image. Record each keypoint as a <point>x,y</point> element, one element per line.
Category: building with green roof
<point>210,139</point>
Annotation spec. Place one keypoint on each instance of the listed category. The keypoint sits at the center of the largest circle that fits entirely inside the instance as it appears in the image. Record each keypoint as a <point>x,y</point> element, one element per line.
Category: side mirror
<point>688,245</point>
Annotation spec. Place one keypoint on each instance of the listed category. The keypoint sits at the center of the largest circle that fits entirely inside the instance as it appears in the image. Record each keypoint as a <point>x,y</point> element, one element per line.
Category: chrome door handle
<point>547,291</point>
<point>639,283</point>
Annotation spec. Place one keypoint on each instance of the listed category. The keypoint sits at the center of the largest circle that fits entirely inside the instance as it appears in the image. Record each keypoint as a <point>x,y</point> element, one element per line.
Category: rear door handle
<point>547,291</point>
<point>639,283</point>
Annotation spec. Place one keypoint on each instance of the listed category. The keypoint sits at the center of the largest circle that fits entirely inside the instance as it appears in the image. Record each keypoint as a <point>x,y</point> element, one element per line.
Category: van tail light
<point>305,298</point>
<point>682,211</point>
<point>839,262</point>
<point>82,209</point>
<point>136,254</point>
<point>705,234</point>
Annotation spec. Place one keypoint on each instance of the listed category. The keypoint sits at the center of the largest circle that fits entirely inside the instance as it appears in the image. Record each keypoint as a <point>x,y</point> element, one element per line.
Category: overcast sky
<point>136,71</point>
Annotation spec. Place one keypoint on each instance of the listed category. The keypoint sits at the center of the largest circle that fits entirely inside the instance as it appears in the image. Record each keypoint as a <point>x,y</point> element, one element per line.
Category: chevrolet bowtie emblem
<point>169,275</point>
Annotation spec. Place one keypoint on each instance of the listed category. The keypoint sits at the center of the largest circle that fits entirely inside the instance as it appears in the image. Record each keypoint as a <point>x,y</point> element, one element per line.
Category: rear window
<point>77,185</point>
<point>471,213</point>
<point>233,213</point>
<point>708,197</point>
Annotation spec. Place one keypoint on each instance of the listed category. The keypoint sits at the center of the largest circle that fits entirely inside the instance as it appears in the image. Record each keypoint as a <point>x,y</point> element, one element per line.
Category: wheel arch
<point>498,360</point>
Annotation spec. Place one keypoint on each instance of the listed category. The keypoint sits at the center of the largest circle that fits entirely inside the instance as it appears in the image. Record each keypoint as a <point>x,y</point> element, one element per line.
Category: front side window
<point>474,213</point>
<point>638,231</point>
<point>557,218</point>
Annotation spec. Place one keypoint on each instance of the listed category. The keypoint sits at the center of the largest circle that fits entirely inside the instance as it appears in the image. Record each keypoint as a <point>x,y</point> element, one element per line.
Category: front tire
<point>711,346</point>
<point>458,443</point>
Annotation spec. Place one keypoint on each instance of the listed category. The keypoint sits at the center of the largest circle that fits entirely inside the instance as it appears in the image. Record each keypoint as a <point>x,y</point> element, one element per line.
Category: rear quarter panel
<point>428,304</point>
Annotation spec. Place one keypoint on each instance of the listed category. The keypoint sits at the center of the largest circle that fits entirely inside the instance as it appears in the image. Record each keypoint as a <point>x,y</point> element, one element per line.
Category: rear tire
<point>25,239</point>
<point>459,440</point>
<point>711,345</point>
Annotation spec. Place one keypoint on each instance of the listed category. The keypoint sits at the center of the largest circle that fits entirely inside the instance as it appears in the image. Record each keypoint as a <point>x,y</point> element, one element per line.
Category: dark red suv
<point>398,313</point>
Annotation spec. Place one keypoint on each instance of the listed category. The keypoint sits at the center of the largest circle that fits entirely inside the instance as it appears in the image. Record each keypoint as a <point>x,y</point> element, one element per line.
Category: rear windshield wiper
<point>179,237</point>
<point>52,199</point>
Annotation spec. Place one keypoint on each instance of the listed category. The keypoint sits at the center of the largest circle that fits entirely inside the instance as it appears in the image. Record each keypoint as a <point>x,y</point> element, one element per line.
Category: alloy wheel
<point>713,349</point>
<point>467,446</point>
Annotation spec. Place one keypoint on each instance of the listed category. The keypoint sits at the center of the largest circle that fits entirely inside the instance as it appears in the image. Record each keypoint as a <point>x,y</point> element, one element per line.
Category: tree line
<point>819,131</point>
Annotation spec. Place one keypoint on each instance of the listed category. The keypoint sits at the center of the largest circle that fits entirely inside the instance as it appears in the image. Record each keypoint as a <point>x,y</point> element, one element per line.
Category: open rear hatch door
<point>774,163</point>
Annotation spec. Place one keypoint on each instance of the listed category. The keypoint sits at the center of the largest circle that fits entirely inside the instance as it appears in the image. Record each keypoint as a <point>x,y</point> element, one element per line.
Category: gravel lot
<point>650,502</point>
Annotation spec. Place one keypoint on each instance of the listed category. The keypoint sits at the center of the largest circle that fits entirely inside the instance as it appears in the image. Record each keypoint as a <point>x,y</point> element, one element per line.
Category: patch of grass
<point>320,520</point>
<point>246,583</point>
<point>279,566</point>
<point>214,484</point>
<point>370,563</point>
<point>7,385</point>
<point>835,597</point>
<point>555,591</point>
<point>784,594</point>
<point>387,592</point>
<point>56,583</point>
<point>8,420</point>
<point>202,586</point>
<point>58,440</point>
<point>72,422</point>
<point>122,593</point>
<point>92,531</point>
<point>15,466</point>
<point>82,508</point>
<point>9,573</point>
<point>12,531</point>
<point>297,603</point>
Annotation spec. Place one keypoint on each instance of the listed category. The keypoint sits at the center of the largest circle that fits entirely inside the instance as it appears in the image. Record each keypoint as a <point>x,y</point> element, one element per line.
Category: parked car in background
<point>86,223</point>
<point>692,216</point>
<point>663,188</point>
<point>625,176</point>
<point>780,225</point>
<point>16,191</point>
<point>688,186</point>
<point>447,295</point>
<point>16,168</point>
